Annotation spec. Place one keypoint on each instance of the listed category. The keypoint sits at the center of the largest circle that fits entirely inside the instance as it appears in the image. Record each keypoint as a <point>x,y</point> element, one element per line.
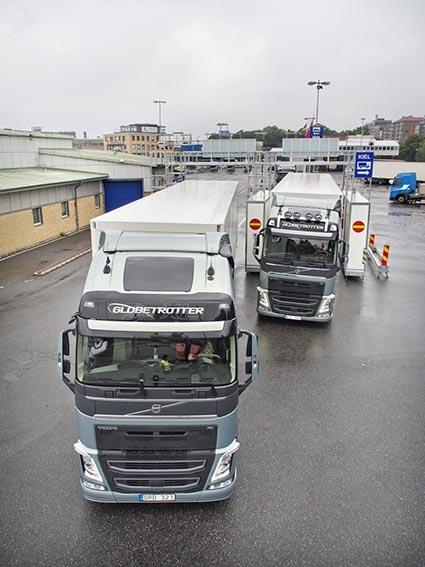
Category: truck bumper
<point>119,498</point>
<point>322,319</point>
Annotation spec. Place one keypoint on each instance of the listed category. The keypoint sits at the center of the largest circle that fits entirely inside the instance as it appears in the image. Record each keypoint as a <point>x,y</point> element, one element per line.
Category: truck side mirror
<point>226,252</point>
<point>64,364</point>
<point>249,346</point>
<point>252,365</point>
<point>257,245</point>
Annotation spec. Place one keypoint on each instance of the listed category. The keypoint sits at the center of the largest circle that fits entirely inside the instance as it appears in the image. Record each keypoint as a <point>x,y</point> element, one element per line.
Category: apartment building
<point>142,139</point>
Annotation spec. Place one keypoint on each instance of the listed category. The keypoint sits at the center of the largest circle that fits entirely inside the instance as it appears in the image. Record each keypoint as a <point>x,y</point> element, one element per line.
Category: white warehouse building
<point>333,149</point>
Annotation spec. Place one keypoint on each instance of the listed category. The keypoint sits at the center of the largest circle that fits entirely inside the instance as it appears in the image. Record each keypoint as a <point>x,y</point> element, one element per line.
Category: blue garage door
<point>120,192</point>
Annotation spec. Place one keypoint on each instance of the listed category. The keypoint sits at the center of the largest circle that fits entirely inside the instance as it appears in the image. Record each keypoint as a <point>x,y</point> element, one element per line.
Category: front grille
<point>140,458</point>
<point>295,298</point>
<point>157,474</point>
<point>155,467</point>
<point>157,485</point>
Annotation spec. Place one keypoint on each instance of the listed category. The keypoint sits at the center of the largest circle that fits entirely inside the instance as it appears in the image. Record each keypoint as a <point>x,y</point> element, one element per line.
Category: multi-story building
<point>380,128</point>
<point>406,126</point>
<point>142,139</point>
<point>87,144</point>
<point>421,128</point>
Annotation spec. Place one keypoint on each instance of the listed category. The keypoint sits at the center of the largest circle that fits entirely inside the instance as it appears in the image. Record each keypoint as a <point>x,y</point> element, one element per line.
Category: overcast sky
<point>93,65</point>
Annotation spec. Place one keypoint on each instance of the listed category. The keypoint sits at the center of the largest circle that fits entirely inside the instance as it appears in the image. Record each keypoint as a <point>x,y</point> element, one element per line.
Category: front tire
<point>401,199</point>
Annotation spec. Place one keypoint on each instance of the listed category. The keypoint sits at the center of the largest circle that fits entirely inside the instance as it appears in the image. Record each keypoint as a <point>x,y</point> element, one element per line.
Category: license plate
<point>157,497</point>
<point>293,317</point>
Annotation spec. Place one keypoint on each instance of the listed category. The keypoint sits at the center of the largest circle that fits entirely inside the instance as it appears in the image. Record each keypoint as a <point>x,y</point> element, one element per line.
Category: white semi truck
<point>156,375</point>
<point>293,236</point>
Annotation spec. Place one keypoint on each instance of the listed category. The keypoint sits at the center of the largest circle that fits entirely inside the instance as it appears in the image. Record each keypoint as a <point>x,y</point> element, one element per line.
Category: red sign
<point>254,224</point>
<point>358,226</point>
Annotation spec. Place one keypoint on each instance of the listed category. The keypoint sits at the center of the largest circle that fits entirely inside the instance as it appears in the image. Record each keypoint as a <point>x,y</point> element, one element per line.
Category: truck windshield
<point>156,361</point>
<point>284,248</point>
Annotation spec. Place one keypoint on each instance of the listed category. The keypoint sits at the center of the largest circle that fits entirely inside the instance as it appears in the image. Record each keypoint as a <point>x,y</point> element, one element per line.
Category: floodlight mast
<point>159,103</point>
<point>319,86</point>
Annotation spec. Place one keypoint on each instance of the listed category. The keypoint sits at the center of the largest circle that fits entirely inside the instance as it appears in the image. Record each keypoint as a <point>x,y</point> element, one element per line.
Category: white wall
<point>114,170</point>
<point>19,200</point>
<point>22,151</point>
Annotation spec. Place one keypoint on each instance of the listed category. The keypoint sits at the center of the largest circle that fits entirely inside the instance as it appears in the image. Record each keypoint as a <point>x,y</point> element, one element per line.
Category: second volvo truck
<point>294,246</point>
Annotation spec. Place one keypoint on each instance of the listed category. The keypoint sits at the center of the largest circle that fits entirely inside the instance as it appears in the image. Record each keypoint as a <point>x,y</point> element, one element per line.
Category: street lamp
<point>160,102</point>
<point>319,86</point>
<point>361,136</point>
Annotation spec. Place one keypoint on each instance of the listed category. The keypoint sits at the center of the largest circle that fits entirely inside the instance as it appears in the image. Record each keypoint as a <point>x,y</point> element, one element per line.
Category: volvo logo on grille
<point>156,408</point>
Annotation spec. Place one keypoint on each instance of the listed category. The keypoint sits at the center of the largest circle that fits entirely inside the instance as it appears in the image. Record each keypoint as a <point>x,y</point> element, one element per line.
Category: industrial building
<point>19,148</point>
<point>127,173</point>
<point>41,204</point>
<point>217,149</point>
<point>34,165</point>
<point>332,149</point>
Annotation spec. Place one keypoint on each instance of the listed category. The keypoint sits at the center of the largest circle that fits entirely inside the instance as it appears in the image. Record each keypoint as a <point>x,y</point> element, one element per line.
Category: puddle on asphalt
<point>391,214</point>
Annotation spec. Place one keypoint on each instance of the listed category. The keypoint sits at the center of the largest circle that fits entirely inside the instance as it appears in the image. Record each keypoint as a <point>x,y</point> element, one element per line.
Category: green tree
<point>420,155</point>
<point>410,147</point>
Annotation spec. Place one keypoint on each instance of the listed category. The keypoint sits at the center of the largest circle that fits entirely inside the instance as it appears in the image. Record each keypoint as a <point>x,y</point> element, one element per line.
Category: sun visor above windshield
<point>115,306</point>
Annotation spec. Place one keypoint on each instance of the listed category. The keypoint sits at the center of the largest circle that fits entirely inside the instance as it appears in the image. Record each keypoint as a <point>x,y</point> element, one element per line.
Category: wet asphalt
<point>332,460</point>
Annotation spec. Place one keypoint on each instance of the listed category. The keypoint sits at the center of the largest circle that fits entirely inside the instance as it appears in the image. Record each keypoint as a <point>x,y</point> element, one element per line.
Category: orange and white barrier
<point>379,259</point>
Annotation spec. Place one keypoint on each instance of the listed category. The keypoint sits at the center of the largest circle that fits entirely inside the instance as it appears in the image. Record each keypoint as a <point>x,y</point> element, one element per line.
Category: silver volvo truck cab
<point>155,368</point>
<point>298,264</point>
<point>294,246</point>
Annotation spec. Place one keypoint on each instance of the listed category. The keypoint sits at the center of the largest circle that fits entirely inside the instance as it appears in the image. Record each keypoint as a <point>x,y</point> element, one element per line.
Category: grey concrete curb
<point>57,265</point>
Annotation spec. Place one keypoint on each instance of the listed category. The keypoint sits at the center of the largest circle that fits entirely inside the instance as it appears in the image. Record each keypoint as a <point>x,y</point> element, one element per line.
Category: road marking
<point>242,221</point>
<point>49,269</point>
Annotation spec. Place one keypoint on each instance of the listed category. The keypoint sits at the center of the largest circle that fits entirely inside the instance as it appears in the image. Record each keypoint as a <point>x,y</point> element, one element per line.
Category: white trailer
<point>354,233</point>
<point>194,207</point>
<point>384,170</point>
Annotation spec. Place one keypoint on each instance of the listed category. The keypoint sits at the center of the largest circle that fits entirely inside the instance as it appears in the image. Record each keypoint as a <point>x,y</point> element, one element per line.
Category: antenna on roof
<point>107,267</point>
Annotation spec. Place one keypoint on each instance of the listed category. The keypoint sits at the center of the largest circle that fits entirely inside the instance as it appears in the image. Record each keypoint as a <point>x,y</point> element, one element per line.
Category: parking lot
<point>331,465</point>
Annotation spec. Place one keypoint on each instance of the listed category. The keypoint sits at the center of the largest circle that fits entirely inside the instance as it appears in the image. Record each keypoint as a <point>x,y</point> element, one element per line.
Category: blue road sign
<point>317,131</point>
<point>363,166</point>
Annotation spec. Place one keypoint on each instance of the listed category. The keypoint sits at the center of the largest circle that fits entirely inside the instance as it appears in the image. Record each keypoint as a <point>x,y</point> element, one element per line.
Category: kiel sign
<point>363,166</point>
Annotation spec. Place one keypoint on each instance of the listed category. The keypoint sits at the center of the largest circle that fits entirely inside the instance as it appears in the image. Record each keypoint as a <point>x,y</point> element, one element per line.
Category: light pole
<point>361,135</point>
<point>319,86</point>
<point>160,102</point>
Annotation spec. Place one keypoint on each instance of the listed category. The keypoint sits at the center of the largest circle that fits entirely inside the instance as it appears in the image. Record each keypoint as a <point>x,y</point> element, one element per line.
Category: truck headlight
<point>222,470</point>
<point>88,463</point>
<point>263,298</point>
<point>327,304</point>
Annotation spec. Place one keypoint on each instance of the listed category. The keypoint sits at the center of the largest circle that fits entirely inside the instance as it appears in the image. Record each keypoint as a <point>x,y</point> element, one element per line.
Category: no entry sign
<point>358,226</point>
<point>254,224</point>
